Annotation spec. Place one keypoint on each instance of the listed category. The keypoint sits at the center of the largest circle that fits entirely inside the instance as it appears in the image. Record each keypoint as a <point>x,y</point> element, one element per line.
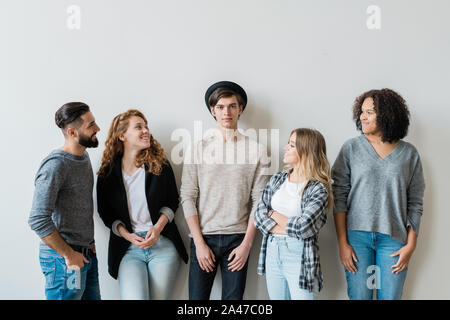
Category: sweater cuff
<point>340,206</point>
<point>46,230</point>
<point>189,209</point>
<point>413,221</point>
<point>114,227</point>
<point>168,213</point>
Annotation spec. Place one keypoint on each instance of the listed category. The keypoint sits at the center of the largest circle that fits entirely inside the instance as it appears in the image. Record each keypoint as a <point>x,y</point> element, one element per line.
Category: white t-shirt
<point>137,200</point>
<point>286,199</point>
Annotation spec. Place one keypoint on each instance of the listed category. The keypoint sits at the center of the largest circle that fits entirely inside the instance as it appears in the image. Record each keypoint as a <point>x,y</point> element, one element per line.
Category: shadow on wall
<point>420,257</point>
<point>334,284</point>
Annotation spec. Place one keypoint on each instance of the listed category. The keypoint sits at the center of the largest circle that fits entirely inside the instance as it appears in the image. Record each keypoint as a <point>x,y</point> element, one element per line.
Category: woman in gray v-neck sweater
<point>378,187</point>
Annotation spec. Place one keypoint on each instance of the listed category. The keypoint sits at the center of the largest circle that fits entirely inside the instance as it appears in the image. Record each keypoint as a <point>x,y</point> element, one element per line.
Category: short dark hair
<point>69,113</point>
<point>392,113</point>
<point>224,92</point>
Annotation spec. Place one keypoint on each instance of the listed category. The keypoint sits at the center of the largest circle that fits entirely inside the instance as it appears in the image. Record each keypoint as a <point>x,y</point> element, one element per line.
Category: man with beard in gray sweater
<point>62,209</point>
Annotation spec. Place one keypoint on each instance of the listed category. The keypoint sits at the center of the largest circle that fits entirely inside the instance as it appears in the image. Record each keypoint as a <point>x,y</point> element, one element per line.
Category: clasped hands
<point>143,243</point>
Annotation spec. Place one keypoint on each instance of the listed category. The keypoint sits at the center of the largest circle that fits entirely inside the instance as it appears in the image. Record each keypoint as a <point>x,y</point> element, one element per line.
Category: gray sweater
<point>379,195</point>
<point>63,198</point>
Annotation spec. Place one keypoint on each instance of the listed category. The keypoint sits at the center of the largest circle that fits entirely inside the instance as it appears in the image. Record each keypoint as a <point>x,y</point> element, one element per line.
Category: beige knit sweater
<point>222,182</point>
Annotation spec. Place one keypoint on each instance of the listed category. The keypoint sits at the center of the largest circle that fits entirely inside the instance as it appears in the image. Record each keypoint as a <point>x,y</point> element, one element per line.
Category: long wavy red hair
<point>153,157</point>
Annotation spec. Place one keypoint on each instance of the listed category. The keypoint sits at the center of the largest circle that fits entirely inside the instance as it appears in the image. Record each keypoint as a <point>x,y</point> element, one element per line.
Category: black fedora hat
<point>227,84</point>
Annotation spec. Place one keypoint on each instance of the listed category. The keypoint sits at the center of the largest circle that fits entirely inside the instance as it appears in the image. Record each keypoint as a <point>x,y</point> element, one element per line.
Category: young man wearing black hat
<point>223,177</point>
<point>63,208</point>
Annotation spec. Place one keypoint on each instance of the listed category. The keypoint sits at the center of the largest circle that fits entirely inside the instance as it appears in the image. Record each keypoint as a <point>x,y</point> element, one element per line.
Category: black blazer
<point>161,191</point>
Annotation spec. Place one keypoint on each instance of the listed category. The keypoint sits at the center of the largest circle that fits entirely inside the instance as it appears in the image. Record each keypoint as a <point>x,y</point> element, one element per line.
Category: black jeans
<point>201,282</point>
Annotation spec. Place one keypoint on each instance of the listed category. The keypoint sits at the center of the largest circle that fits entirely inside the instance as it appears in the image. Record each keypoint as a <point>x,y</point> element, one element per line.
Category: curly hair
<point>391,110</point>
<point>153,157</point>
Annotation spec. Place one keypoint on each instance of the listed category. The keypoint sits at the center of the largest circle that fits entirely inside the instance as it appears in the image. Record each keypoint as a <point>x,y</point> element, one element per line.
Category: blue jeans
<point>374,264</point>
<point>62,283</point>
<point>146,274</point>
<point>283,262</point>
<point>201,282</point>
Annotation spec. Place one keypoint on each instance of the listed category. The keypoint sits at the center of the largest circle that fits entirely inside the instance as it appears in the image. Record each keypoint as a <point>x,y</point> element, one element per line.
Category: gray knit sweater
<point>379,195</point>
<point>63,198</point>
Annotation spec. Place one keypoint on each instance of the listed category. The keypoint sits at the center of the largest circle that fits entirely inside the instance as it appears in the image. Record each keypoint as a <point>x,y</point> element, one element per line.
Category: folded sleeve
<point>189,190</point>
<point>415,192</point>
<point>314,214</point>
<point>260,219</point>
<point>114,227</point>
<point>103,203</point>
<point>172,198</point>
<point>48,181</point>
<point>168,213</point>
<point>340,174</point>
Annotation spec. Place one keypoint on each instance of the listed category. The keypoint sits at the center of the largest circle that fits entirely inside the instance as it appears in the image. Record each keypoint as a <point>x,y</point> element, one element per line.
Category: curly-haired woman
<point>378,188</point>
<point>137,199</point>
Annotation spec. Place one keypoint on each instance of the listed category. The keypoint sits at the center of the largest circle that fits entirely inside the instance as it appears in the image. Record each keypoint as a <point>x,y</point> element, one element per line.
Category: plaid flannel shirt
<point>314,208</point>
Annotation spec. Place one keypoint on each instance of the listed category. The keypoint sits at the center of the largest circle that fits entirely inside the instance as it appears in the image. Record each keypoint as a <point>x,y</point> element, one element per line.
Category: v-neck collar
<point>134,173</point>
<point>394,153</point>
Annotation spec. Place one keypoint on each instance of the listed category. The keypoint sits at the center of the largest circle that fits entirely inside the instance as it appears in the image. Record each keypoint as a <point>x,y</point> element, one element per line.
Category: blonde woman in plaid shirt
<point>293,209</point>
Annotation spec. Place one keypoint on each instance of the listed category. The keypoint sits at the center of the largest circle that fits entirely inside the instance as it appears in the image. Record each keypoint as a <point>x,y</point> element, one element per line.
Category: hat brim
<point>227,84</point>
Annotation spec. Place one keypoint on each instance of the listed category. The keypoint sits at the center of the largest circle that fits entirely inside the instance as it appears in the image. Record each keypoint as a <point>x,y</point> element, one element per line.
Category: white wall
<point>301,62</point>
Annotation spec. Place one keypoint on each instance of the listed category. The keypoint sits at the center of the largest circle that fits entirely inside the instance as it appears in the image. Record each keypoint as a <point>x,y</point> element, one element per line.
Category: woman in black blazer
<point>137,198</point>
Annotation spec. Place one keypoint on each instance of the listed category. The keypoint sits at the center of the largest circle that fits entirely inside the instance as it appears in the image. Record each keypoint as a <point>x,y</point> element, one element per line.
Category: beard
<point>88,142</point>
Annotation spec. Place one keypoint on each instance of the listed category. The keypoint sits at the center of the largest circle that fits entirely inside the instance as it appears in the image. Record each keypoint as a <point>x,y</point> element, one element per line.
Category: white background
<point>302,64</point>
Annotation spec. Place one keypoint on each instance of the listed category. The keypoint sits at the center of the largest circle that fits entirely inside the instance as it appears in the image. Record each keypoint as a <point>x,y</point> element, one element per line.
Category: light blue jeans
<point>374,264</point>
<point>146,274</point>
<point>283,262</point>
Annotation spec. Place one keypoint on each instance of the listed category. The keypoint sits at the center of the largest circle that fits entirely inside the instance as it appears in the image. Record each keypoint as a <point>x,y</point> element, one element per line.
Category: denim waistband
<point>277,237</point>
<point>143,234</point>
<point>44,246</point>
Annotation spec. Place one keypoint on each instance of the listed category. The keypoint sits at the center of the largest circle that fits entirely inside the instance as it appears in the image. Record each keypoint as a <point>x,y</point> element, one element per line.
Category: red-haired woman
<point>137,199</point>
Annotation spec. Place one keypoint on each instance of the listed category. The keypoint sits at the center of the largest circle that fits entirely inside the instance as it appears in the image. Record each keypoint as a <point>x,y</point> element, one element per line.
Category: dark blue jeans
<point>201,282</point>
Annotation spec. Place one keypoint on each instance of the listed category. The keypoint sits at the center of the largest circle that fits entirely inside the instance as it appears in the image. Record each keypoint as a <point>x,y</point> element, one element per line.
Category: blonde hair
<point>312,152</point>
<point>154,156</point>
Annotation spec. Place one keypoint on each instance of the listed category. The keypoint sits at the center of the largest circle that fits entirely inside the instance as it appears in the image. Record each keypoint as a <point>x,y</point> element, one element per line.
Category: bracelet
<point>270,213</point>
